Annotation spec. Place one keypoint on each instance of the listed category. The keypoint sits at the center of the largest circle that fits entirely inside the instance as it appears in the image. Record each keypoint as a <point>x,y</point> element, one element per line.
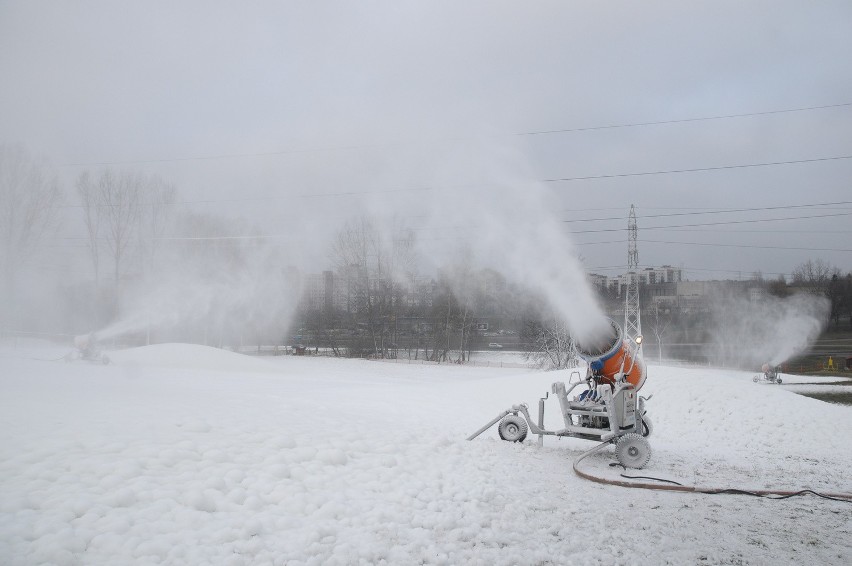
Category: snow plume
<point>483,210</point>
<point>748,333</point>
<point>212,300</point>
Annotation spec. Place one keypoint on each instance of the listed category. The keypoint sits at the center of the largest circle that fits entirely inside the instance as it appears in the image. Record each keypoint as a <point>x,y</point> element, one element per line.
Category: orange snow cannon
<point>608,407</point>
<point>612,357</point>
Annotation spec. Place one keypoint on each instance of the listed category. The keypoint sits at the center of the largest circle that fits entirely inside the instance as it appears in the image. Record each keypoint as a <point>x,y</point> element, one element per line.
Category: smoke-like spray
<point>480,208</point>
<point>218,302</point>
<point>486,205</point>
<point>772,329</point>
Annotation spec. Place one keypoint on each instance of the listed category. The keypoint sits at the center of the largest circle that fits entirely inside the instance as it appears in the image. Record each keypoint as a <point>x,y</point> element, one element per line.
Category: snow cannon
<point>611,356</point>
<point>83,341</point>
<point>771,374</point>
<point>605,406</point>
<point>86,347</point>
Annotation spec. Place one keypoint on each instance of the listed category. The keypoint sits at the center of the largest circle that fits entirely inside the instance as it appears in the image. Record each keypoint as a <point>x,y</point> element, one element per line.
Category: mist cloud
<point>772,329</point>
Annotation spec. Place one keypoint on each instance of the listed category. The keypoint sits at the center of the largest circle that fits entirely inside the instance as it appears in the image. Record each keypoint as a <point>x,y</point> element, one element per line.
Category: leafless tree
<point>660,322</point>
<point>117,207</point>
<point>370,262</point>
<point>814,273</point>
<point>157,198</point>
<point>90,199</point>
<point>549,344</point>
<point>111,207</point>
<point>120,199</point>
<point>29,203</point>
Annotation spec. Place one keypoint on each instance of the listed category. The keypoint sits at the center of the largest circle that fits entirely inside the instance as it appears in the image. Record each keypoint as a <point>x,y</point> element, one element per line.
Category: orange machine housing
<point>614,355</point>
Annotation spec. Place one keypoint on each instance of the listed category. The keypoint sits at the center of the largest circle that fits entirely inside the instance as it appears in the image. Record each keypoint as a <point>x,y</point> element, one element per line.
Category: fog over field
<point>497,136</point>
<point>427,201</point>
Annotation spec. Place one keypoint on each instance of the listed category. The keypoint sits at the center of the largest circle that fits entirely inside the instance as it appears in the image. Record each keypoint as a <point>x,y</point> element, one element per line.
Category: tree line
<point>236,292</point>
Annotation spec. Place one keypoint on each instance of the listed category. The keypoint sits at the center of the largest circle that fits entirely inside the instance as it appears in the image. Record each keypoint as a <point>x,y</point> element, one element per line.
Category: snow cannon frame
<point>608,410</point>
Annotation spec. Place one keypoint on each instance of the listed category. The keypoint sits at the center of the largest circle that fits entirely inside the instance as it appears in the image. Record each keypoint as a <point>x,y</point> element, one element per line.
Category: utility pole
<point>632,318</point>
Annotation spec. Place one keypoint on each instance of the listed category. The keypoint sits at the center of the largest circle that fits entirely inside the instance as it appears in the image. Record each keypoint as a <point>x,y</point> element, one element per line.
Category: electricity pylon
<point>632,316</point>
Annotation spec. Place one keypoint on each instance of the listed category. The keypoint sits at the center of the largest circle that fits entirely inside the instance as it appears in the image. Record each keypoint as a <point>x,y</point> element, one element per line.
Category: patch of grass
<point>838,398</point>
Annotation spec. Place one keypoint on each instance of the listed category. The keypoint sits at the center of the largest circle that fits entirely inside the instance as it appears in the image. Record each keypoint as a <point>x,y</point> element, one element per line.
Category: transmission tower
<point>632,318</point>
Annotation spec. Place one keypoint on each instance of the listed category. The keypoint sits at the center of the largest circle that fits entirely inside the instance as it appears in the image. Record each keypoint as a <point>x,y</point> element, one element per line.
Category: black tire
<point>754,379</point>
<point>513,428</point>
<point>779,381</point>
<point>632,451</point>
<point>647,426</point>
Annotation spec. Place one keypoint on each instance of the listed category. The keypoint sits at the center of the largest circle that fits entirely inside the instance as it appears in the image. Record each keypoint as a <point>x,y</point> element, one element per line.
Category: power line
<point>351,147</point>
<point>683,120</point>
<point>719,211</point>
<point>428,188</point>
<point>474,227</point>
<point>689,269</point>
<point>750,246</point>
<point>767,231</point>
<point>715,223</point>
<point>696,169</point>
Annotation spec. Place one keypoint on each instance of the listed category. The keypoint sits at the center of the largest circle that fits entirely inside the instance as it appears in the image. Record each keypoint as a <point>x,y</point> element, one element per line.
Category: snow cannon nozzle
<point>85,341</point>
<point>601,345</point>
<point>611,357</point>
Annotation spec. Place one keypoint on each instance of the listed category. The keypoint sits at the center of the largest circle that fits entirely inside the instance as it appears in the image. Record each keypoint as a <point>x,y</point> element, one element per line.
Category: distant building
<point>647,276</point>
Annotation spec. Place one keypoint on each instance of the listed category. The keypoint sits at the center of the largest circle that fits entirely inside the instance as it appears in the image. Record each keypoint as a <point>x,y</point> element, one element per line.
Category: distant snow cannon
<point>611,356</point>
<point>607,409</point>
<point>771,374</point>
<point>86,347</point>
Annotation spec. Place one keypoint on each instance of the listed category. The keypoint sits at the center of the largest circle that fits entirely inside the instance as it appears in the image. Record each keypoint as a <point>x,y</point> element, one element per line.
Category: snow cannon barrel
<point>612,354</point>
<point>83,341</point>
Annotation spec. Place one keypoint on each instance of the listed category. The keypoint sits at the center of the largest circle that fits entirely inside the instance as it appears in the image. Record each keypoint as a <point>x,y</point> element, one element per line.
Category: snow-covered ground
<point>180,454</point>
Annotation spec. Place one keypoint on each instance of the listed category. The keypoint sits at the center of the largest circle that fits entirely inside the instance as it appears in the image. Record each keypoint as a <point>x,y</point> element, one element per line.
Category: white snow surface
<point>179,454</point>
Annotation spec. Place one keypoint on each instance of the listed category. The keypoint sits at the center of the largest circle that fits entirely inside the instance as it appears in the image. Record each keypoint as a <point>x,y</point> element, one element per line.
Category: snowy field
<point>179,454</point>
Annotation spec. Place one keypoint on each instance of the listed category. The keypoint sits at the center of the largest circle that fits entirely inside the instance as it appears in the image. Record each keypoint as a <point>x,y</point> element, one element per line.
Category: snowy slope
<point>189,455</point>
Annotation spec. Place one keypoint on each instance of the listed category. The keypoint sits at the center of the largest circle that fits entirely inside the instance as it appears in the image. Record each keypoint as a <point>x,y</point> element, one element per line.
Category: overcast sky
<point>294,115</point>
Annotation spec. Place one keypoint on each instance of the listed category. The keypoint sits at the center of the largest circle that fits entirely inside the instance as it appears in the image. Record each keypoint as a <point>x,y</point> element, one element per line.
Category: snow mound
<point>354,462</point>
<point>191,356</point>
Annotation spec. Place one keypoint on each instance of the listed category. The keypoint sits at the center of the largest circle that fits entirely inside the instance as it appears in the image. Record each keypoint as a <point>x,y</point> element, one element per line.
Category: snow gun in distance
<point>86,347</point>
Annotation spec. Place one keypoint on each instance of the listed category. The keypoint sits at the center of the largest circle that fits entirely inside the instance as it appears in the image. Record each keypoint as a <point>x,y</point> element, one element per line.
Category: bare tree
<point>90,199</point>
<point>371,262</point>
<point>660,322</point>
<point>549,344</point>
<point>156,198</point>
<point>814,273</point>
<point>120,199</point>
<point>29,205</point>
<point>115,206</point>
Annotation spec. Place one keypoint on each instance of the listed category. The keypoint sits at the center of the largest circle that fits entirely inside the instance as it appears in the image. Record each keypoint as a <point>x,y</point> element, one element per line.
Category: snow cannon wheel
<point>513,428</point>
<point>778,380</point>
<point>755,378</point>
<point>632,451</point>
<point>647,426</point>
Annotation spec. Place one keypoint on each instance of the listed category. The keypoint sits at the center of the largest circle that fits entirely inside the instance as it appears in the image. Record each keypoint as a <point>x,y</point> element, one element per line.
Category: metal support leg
<point>541,417</point>
<point>490,424</point>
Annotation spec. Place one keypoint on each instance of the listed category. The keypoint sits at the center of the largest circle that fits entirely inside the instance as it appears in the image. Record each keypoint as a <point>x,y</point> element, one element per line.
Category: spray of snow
<point>484,211</point>
<point>749,333</point>
<point>479,210</point>
<point>223,305</point>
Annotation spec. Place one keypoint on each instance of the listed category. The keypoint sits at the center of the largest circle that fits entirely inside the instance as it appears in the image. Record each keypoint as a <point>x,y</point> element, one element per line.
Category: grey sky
<point>431,95</point>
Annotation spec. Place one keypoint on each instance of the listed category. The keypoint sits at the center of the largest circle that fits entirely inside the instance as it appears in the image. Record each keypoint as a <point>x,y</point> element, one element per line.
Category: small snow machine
<point>605,406</point>
<point>771,374</point>
<point>86,348</point>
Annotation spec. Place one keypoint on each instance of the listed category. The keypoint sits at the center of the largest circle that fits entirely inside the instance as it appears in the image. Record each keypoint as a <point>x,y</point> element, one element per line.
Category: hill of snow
<point>183,454</point>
